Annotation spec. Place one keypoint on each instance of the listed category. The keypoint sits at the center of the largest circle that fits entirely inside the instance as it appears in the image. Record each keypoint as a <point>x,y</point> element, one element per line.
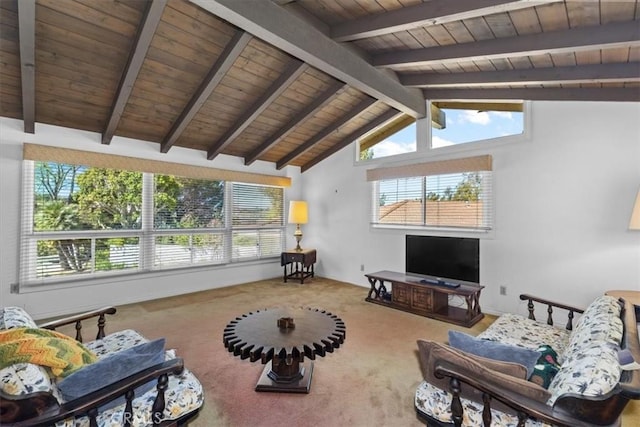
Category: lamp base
<point>298,235</point>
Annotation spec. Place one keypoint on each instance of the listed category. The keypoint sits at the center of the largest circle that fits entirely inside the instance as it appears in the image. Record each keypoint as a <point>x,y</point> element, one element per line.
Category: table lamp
<point>634,224</point>
<point>298,215</point>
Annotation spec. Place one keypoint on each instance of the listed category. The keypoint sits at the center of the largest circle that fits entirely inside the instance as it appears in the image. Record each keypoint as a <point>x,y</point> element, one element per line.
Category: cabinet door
<point>400,293</point>
<point>421,299</point>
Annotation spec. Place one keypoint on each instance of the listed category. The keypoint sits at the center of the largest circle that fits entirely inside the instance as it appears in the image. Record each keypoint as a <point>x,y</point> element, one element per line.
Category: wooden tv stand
<point>409,294</point>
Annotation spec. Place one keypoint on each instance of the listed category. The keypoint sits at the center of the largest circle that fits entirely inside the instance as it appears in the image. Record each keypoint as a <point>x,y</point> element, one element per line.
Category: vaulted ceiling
<point>292,82</point>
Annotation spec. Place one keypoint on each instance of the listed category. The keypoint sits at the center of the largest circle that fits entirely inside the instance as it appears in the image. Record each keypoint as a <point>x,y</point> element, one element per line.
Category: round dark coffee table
<point>284,336</point>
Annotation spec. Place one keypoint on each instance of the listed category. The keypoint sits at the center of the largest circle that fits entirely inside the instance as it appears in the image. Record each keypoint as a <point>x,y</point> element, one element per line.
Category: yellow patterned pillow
<point>59,352</point>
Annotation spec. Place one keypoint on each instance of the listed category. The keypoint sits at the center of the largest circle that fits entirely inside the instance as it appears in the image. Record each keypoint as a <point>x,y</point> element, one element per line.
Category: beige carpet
<point>369,381</point>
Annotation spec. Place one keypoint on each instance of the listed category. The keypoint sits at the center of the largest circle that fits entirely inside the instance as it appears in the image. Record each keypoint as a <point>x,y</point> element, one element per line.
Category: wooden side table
<point>298,265</point>
<point>632,296</point>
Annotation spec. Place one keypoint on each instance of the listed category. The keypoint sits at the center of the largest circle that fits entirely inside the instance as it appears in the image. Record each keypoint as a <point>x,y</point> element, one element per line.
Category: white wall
<point>46,303</point>
<point>563,204</point>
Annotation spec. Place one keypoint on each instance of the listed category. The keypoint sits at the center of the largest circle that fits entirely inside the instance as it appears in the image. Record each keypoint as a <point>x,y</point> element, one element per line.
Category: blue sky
<point>462,126</point>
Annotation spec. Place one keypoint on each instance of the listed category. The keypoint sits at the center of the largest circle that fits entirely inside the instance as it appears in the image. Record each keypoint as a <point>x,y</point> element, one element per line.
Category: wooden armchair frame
<point>42,408</point>
<point>568,410</point>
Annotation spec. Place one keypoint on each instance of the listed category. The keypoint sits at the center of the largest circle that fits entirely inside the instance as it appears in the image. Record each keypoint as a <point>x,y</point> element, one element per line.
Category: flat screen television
<point>454,258</point>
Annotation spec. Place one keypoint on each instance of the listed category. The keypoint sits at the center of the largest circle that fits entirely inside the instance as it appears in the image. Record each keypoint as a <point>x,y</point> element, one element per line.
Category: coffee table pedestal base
<point>300,385</point>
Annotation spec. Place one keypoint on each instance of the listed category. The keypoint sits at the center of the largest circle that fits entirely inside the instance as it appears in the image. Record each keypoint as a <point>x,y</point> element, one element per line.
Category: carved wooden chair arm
<point>550,306</point>
<point>78,318</point>
<point>493,388</point>
<point>50,412</point>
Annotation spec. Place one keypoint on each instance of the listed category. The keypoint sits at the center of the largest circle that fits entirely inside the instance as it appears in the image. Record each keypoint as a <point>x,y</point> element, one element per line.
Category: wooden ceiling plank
<point>27,31</point>
<point>576,74</point>
<point>290,74</point>
<point>275,25</point>
<point>150,21</point>
<point>613,94</point>
<point>218,71</point>
<point>434,12</point>
<point>319,102</point>
<point>390,114</point>
<point>345,118</point>
<point>610,35</point>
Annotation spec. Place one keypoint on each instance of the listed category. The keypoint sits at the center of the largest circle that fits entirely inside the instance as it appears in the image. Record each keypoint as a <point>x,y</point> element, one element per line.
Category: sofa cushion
<point>592,371</point>
<point>436,403</point>
<point>15,317</point>
<point>603,304</point>
<point>511,375</point>
<point>520,331</point>
<point>184,394</point>
<point>112,368</point>
<point>25,378</point>
<point>495,350</point>
<point>115,342</point>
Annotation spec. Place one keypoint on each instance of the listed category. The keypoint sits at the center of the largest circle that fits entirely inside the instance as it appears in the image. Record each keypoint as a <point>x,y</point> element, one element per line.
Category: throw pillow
<point>509,376</point>
<point>111,369</point>
<point>494,350</point>
<point>546,368</point>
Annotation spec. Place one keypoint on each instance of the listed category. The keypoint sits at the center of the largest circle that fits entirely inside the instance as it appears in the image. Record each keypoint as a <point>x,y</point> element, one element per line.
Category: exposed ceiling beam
<point>275,25</point>
<point>434,12</point>
<point>318,103</point>
<point>390,114</point>
<point>27,32</point>
<point>354,112</point>
<point>613,94</point>
<point>136,58</point>
<point>438,117</point>
<point>515,107</point>
<point>293,70</point>
<point>575,39</point>
<point>224,62</point>
<point>595,73</point>
<point>396,125</point>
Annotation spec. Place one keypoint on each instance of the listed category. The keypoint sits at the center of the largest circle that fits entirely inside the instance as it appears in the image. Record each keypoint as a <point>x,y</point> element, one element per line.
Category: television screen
<point>455,258</point>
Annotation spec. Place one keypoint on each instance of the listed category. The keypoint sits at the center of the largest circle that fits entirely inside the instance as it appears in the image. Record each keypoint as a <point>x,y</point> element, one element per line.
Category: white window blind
<point>257,216</point>
<point>85,221</point>
<point>461,199</point>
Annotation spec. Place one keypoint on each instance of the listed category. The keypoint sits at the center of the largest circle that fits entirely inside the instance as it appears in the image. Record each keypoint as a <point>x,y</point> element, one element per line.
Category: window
<point>452,124</point>
<point>396,137</point>
<point>455,123</point>
<point>450,194</point>
<point>86,221</point>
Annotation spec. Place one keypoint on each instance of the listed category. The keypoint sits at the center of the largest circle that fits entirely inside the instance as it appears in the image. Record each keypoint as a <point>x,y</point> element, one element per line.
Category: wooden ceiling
<point>292,82</point>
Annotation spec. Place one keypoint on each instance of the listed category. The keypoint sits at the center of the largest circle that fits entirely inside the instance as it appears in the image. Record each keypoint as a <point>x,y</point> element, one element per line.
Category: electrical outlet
<point>361,267</point>
<point>503,290</point>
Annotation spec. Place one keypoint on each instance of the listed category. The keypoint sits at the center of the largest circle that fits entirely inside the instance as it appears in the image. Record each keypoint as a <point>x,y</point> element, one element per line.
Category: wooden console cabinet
<point>407,293</point>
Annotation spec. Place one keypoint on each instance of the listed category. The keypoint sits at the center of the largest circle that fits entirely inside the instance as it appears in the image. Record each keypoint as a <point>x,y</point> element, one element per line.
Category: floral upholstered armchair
<point>119,379</point>
<point>522,372</point>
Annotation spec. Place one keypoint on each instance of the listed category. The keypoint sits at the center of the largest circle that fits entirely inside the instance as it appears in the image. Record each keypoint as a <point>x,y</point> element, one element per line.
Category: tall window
<point>81,222</point>
<point>426,196</point>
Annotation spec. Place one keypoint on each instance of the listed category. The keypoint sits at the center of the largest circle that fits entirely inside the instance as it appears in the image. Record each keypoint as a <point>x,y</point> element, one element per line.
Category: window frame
<point>146,235</point>
<point>424,138</point>
<point>424,170</point>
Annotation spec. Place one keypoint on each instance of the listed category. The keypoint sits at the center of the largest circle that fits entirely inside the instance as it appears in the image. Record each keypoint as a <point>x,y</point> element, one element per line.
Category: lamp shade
<point>298,212</point>
<point>634,224</point>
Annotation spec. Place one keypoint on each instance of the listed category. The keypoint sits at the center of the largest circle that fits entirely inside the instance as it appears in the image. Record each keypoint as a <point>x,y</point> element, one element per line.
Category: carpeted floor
<point>369,381</point>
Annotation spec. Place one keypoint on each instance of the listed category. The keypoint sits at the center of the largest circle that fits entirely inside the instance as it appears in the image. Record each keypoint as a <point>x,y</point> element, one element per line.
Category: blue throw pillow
<point>494,350</point>
<point>112,368</point>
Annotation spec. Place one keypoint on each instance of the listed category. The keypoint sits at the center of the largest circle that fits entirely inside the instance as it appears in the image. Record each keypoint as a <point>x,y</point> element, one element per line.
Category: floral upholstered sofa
<point>118,379</point>
<point>574,377</point>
